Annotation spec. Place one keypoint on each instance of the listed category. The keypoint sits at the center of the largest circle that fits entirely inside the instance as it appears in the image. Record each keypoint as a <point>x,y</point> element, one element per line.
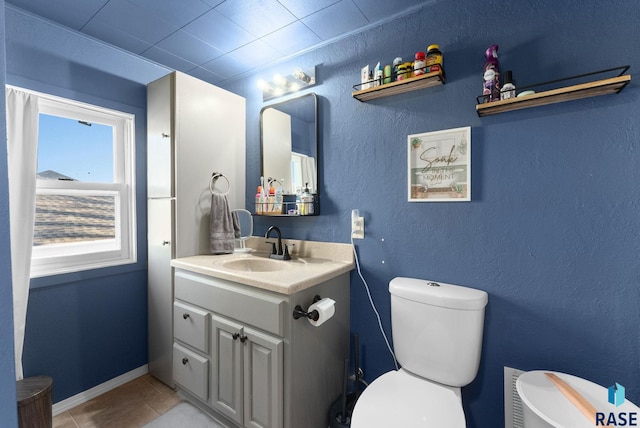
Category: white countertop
<point>312,263</point>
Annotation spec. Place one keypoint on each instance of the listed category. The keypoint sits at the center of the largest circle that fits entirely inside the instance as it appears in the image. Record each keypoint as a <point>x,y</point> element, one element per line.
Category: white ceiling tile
<point>375,10</point>
<point>134,20</point>
<point>212,3</point>
<point>255,54</point>
<point>217,38</point>
<point>206,75</point>
<point>302,8</point>
<point>335,20</point>
<point>169,59</point>
<point>189,47</point>
<point>226,66</point>
<point>292,38</point>
<point>70,13</point>
<point>259,17</point>
<point>178,13</point>
<point>218,31</point>
<point>116,37</point>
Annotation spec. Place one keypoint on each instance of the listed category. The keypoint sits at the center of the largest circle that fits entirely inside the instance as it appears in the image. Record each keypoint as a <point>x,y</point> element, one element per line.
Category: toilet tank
<point>437,329</point>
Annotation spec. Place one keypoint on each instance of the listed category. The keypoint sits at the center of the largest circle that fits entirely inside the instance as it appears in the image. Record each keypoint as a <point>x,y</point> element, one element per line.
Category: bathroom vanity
<point>239,353</point>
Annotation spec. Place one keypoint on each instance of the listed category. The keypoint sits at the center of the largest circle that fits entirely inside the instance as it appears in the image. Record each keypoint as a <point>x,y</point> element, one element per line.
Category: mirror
<point>245,222</point>
<point>289,144</point>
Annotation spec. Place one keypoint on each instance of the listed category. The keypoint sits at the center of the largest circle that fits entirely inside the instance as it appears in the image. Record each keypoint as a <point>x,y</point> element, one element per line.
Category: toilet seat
<point>401,399</point>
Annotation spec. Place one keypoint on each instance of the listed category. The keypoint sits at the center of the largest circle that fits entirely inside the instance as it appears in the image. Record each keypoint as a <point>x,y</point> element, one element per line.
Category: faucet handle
<point>286,255</point>
<point>273,247</point>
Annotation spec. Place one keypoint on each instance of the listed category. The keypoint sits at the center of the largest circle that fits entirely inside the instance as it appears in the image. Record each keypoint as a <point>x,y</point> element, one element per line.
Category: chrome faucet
<point>278,253</point>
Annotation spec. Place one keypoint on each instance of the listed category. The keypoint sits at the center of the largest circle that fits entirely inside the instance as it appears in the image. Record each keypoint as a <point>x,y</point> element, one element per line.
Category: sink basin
<point>256,265</point>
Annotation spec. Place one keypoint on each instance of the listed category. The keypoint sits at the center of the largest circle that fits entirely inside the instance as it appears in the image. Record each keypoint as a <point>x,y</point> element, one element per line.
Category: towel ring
<point>214,177</point>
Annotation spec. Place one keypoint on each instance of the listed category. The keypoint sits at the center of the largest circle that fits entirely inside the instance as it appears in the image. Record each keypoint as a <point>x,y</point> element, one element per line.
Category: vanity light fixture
<point>281,84</point>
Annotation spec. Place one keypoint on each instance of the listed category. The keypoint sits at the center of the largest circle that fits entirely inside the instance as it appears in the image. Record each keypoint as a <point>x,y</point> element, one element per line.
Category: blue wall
<point>89,327</point>
<point>8,411</point>
<point>552,232</point>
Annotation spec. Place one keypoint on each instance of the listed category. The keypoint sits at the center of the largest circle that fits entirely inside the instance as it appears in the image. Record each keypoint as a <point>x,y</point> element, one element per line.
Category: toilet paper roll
<point>326,308</point>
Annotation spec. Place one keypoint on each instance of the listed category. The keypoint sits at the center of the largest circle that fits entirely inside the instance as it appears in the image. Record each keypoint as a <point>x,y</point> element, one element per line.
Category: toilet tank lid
<point>438,293</point>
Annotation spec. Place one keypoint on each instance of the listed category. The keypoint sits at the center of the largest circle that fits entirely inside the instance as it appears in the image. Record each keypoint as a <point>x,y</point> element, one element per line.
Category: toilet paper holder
<point>299,312</point>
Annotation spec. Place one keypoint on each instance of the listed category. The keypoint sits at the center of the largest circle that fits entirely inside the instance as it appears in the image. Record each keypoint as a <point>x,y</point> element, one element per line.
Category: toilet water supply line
<point>373,306</point>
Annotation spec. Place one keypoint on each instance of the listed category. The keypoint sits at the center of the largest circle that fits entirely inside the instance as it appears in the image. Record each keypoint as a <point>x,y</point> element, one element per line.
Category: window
<point>296,172</point>
<point>85,189</point>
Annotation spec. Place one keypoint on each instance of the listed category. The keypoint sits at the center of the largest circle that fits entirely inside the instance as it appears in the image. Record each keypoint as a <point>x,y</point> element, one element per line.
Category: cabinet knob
<point>185,316</point>
<point>235,336</point>
<point>243,338</point>
<point>166,243</point>
<point>185,360</point>
<point>165,135</point>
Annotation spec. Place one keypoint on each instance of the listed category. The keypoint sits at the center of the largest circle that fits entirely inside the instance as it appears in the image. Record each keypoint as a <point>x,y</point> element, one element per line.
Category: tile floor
<point>131,405</point>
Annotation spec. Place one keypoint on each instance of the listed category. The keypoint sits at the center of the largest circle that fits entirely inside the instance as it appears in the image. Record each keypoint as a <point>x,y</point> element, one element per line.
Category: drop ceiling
<point>218,40</point>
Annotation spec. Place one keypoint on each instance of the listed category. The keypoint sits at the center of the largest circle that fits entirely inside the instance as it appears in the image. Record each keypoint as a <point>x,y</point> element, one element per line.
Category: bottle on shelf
<point>306,200</point>
<point>491,75</point>
<point>378,73</point>
<point>508,89</point>
<point>279,198</point>
<point>395,73</point>
<point>433,59</point>
<point>259,200</point>
<point>387,74</point>
<point>271,198</point>
<point>364,77</point>
<point>419,65</point>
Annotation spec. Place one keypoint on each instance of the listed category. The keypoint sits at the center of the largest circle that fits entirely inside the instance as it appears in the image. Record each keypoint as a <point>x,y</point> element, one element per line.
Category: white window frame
<point>53,259</point>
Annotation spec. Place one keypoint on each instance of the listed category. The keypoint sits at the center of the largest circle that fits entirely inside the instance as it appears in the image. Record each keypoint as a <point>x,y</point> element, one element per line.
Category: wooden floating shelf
<point>584,90</point>
<point>427,80</point>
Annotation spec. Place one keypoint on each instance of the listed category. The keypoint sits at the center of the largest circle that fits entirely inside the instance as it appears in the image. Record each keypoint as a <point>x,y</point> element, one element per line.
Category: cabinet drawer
<point>191,326</point>
<point>191,371</point>
<point>242,303</point>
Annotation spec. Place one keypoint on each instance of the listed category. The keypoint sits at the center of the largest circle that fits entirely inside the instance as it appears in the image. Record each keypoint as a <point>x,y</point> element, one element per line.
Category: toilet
<point>437,335</point>
<point>544,406</point>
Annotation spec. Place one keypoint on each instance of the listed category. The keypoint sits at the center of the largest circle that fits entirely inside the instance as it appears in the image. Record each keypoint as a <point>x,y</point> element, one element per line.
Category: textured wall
<point>88,327</point>
<point>552,231</point>
<point>8,411</point>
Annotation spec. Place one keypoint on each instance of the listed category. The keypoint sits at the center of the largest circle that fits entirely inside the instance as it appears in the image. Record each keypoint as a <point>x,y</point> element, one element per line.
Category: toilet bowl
<point>544,406</point>
<point>437,335</point>
<point>401,399</point>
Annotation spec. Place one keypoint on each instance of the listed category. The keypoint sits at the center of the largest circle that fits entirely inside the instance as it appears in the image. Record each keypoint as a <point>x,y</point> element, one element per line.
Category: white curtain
<point>22,154</point>
<point>309,173</point>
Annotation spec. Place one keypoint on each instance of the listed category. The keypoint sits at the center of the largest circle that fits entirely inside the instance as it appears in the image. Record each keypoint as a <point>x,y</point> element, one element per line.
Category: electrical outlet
<point>357,225</point>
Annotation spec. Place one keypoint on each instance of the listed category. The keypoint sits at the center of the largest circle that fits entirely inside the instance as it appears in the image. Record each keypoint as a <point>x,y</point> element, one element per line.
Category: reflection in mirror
<point>245,221</point>
<point>289,145</point>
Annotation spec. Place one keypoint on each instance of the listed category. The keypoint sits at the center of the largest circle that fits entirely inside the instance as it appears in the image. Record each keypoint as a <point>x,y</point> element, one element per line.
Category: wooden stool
<point>34,402</point>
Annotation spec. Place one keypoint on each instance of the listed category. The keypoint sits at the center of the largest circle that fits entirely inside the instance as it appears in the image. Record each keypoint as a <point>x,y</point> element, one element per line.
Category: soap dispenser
<point>306,200</point>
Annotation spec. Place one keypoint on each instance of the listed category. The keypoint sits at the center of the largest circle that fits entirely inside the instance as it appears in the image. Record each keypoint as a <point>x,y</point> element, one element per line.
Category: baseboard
<point>84,396</point>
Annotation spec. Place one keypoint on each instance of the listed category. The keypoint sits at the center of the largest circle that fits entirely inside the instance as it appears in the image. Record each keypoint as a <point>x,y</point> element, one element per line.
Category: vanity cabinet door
<point>263,380</point>
<point>226,370</point>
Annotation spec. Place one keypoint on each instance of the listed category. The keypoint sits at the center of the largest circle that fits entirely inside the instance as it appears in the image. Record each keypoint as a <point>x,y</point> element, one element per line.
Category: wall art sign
<point>440,166</point>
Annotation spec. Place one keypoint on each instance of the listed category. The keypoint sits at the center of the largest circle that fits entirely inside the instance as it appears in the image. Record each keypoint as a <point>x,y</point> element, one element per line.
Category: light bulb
<point>279,80</point>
